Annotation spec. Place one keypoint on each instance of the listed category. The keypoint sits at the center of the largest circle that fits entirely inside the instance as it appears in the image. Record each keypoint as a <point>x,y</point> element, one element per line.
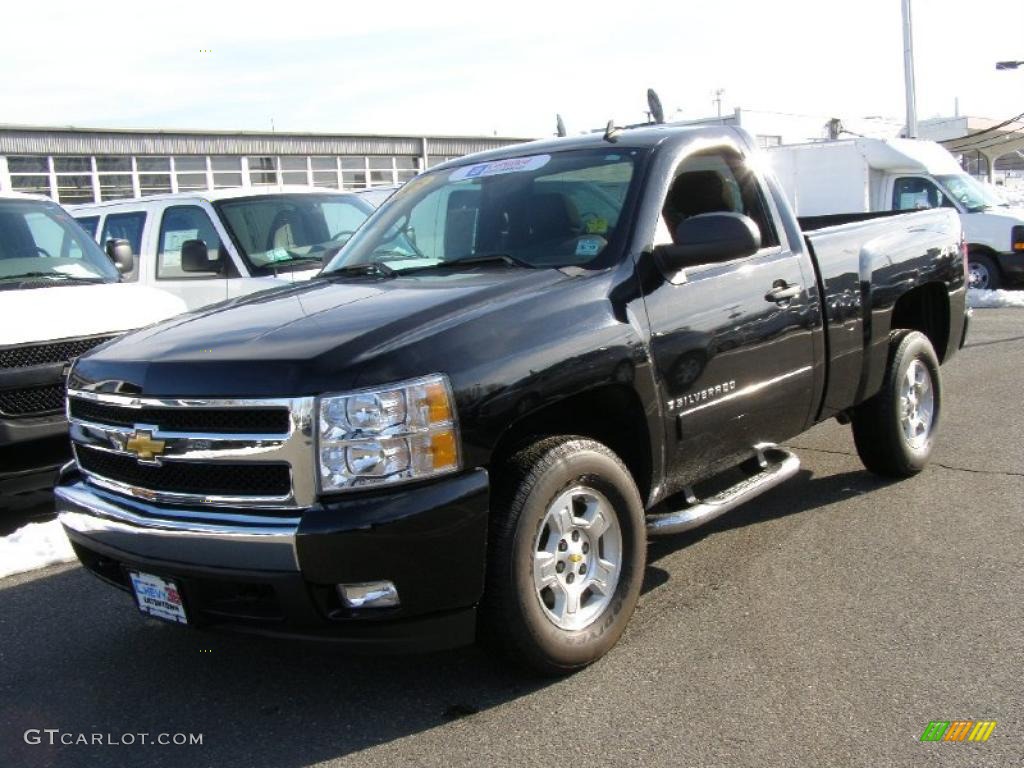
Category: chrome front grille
<point>196,451</point>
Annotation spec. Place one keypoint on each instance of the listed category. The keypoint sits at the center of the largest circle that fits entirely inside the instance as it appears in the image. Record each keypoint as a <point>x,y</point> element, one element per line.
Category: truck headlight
<point>406,431</point>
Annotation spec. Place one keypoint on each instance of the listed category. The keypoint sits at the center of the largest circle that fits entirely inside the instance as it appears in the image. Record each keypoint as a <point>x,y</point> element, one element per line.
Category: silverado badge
<point>144,446</point>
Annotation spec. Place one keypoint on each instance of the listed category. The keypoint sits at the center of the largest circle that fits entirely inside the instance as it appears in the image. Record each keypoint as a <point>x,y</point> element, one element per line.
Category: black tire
<point>987,266</point>
<point>512,616</point>
<point>881,441</point>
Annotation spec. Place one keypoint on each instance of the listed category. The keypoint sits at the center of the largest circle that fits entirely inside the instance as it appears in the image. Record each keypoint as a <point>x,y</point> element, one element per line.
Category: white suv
<point>210,246</point>
<point>59,297</point>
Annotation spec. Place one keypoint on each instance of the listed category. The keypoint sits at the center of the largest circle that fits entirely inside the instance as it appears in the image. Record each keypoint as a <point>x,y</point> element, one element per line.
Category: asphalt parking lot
<point>824,624</point>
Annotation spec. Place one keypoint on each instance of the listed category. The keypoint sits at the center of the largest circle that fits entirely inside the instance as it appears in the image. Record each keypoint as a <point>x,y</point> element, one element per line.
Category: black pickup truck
<point>522,366</point>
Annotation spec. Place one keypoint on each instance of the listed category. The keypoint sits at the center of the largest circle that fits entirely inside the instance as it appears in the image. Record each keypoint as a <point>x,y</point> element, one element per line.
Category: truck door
<point>732,342</point>
<point>179,224</point>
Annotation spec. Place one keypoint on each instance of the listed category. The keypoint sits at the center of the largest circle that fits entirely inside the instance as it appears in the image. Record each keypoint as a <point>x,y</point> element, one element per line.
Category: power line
<point>974,135</point>
<point>1015,136</point>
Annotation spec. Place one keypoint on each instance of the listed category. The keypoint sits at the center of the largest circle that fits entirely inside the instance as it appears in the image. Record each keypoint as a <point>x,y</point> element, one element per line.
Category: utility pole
<point>908,71</point>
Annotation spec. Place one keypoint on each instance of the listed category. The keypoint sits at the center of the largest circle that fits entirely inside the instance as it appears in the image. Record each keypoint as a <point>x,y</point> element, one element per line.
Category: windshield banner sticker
<point>498,167</point>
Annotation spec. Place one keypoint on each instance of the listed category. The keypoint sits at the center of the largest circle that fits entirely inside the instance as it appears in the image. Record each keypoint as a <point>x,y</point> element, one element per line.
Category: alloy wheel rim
<point>977,275</point>
<point>577,558</point>
<point>917,404</point>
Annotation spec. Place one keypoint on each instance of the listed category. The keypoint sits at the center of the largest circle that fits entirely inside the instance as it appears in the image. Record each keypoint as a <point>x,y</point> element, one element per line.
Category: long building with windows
<point>77,165</point>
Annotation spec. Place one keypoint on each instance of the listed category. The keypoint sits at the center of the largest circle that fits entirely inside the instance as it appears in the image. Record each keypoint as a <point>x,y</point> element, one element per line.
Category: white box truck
<point>849,176</point>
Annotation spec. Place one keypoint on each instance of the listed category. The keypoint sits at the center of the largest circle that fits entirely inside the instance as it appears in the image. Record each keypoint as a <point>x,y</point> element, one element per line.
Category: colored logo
<point>144,446</point>
<point>958,730</point>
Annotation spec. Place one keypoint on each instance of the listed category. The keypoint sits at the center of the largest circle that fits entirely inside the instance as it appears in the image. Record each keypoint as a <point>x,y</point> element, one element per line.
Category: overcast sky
<point>441,66</point>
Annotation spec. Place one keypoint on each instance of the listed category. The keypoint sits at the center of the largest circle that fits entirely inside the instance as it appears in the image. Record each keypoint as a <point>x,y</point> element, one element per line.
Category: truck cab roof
<point>213,195</point>
<point>640,137</point>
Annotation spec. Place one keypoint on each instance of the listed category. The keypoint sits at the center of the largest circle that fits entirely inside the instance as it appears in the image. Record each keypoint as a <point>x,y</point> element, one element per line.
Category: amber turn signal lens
<point>443,449</point>
<point>437,402</point>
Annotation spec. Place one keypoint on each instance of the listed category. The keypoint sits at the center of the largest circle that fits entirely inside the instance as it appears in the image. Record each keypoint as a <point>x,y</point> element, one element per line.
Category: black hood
<point>304,339</point>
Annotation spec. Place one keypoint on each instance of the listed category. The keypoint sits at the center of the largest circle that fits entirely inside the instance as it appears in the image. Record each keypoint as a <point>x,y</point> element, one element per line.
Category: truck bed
<point>814,223</point>
<point>864,261</point>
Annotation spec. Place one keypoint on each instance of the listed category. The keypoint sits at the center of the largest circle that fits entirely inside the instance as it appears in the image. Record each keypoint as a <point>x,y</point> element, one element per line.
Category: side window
<point>913,193</point>
<point>89,224</point>
<point>711,182</point>
<point>124,226</point>
<point>51,239</point>
<point>181,223</point>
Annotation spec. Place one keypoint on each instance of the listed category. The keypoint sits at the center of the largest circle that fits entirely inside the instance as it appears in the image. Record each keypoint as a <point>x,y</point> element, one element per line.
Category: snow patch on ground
<point>1014,195</point>
<point>983,299</point>
<point>33,546</point>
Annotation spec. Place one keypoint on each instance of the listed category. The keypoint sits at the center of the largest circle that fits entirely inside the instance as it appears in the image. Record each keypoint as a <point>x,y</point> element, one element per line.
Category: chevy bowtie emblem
<point>144,446</point>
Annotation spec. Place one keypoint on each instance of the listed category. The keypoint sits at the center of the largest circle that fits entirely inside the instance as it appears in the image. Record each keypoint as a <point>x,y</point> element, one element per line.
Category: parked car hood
<point>70,311</point>
<point>307,338</point>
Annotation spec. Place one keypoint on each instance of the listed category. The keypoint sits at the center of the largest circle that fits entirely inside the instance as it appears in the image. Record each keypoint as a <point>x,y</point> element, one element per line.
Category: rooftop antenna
<point>560,126</point>
<point>719,92</point>
<point>611,133</point>
<point>657,112</point>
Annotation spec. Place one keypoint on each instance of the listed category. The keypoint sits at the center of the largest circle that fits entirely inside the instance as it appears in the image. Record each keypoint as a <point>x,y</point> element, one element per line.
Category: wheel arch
<point>612,414</point>
<point>925,308</point>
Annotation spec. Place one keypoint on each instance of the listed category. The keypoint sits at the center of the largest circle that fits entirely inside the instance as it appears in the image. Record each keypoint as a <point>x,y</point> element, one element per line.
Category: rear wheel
<point>983,272</point>
<point>567,552</point>
<point>895,430</point>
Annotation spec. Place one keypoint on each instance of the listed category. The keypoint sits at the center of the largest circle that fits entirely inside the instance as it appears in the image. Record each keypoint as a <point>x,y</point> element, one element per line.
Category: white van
<point>59,297</point>
<point>861,175</point>
<point>210,246</point>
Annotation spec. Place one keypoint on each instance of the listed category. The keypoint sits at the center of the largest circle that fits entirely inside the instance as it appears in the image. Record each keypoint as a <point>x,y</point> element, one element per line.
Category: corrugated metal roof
<point>26,140</point>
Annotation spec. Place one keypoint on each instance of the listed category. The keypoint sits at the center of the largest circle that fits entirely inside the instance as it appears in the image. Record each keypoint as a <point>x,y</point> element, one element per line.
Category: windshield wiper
<point>59,276</point>
<point>488,258</point>
<point>372,268</point>
<point>289,263</point>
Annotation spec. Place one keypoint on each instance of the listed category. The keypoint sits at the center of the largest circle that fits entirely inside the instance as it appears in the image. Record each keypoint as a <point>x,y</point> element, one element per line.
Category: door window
<point>914,193</point>
<point>182,223</point>
<point>126,226</point>
<point>88,223</point>
<point>710,182</point>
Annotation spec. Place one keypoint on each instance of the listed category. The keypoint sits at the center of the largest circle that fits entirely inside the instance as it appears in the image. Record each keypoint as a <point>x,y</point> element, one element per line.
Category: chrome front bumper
<point>243,541</point>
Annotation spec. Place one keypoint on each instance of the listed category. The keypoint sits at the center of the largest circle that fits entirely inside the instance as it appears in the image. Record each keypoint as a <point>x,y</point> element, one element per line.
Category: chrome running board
<point>776,466</point>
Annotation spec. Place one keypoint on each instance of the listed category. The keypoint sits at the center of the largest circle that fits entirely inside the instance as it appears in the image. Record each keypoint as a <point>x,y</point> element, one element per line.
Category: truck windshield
<point>970,193</point>
<point>41,242</point>
<point>543,210</point>
<point>291,231</point>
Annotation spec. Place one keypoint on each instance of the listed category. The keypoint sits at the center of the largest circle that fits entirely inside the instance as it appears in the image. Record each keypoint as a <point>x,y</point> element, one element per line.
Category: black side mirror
<point>709,238</point>
<point>120,252</point>
<point>195,257</point>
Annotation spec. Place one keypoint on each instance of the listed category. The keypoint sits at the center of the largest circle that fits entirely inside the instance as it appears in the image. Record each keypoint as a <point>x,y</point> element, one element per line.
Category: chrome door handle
<point>781,292</point>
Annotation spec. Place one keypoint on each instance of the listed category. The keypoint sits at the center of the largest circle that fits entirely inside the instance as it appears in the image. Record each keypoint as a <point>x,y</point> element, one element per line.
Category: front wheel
<point>895,430</point>
<point>983,272</point>
<point>567,553</point>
